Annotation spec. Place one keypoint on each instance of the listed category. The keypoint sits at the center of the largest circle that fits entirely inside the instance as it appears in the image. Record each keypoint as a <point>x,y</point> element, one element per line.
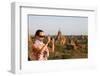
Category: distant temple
<point>60,38</point>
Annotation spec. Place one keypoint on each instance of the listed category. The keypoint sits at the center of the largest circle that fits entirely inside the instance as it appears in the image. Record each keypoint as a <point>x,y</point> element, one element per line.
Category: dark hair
<point>38,32</point>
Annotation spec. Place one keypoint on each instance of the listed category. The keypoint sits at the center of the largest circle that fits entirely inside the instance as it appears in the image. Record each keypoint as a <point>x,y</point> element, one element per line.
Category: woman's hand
<point>49,39</point>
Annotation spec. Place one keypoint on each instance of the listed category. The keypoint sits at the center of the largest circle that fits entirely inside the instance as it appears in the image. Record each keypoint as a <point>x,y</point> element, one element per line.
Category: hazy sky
<point>51,24</point>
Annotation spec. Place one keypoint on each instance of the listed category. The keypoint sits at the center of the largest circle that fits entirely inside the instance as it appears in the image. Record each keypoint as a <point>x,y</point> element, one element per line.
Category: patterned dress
<point>40,51</point>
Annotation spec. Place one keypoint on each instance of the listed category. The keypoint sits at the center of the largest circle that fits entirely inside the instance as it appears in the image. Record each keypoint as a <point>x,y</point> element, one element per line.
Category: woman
<point>40,50</point>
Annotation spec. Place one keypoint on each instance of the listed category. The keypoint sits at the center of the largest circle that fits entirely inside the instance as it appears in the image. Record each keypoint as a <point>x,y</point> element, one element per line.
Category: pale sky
<point>51,24</point>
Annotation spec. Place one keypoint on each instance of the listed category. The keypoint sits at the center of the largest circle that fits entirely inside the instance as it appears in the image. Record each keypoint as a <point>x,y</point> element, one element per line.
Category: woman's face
<point>41,36</point>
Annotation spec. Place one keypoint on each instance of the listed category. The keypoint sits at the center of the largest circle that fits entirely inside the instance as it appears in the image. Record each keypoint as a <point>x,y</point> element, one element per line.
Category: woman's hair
<point>38,32</point>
